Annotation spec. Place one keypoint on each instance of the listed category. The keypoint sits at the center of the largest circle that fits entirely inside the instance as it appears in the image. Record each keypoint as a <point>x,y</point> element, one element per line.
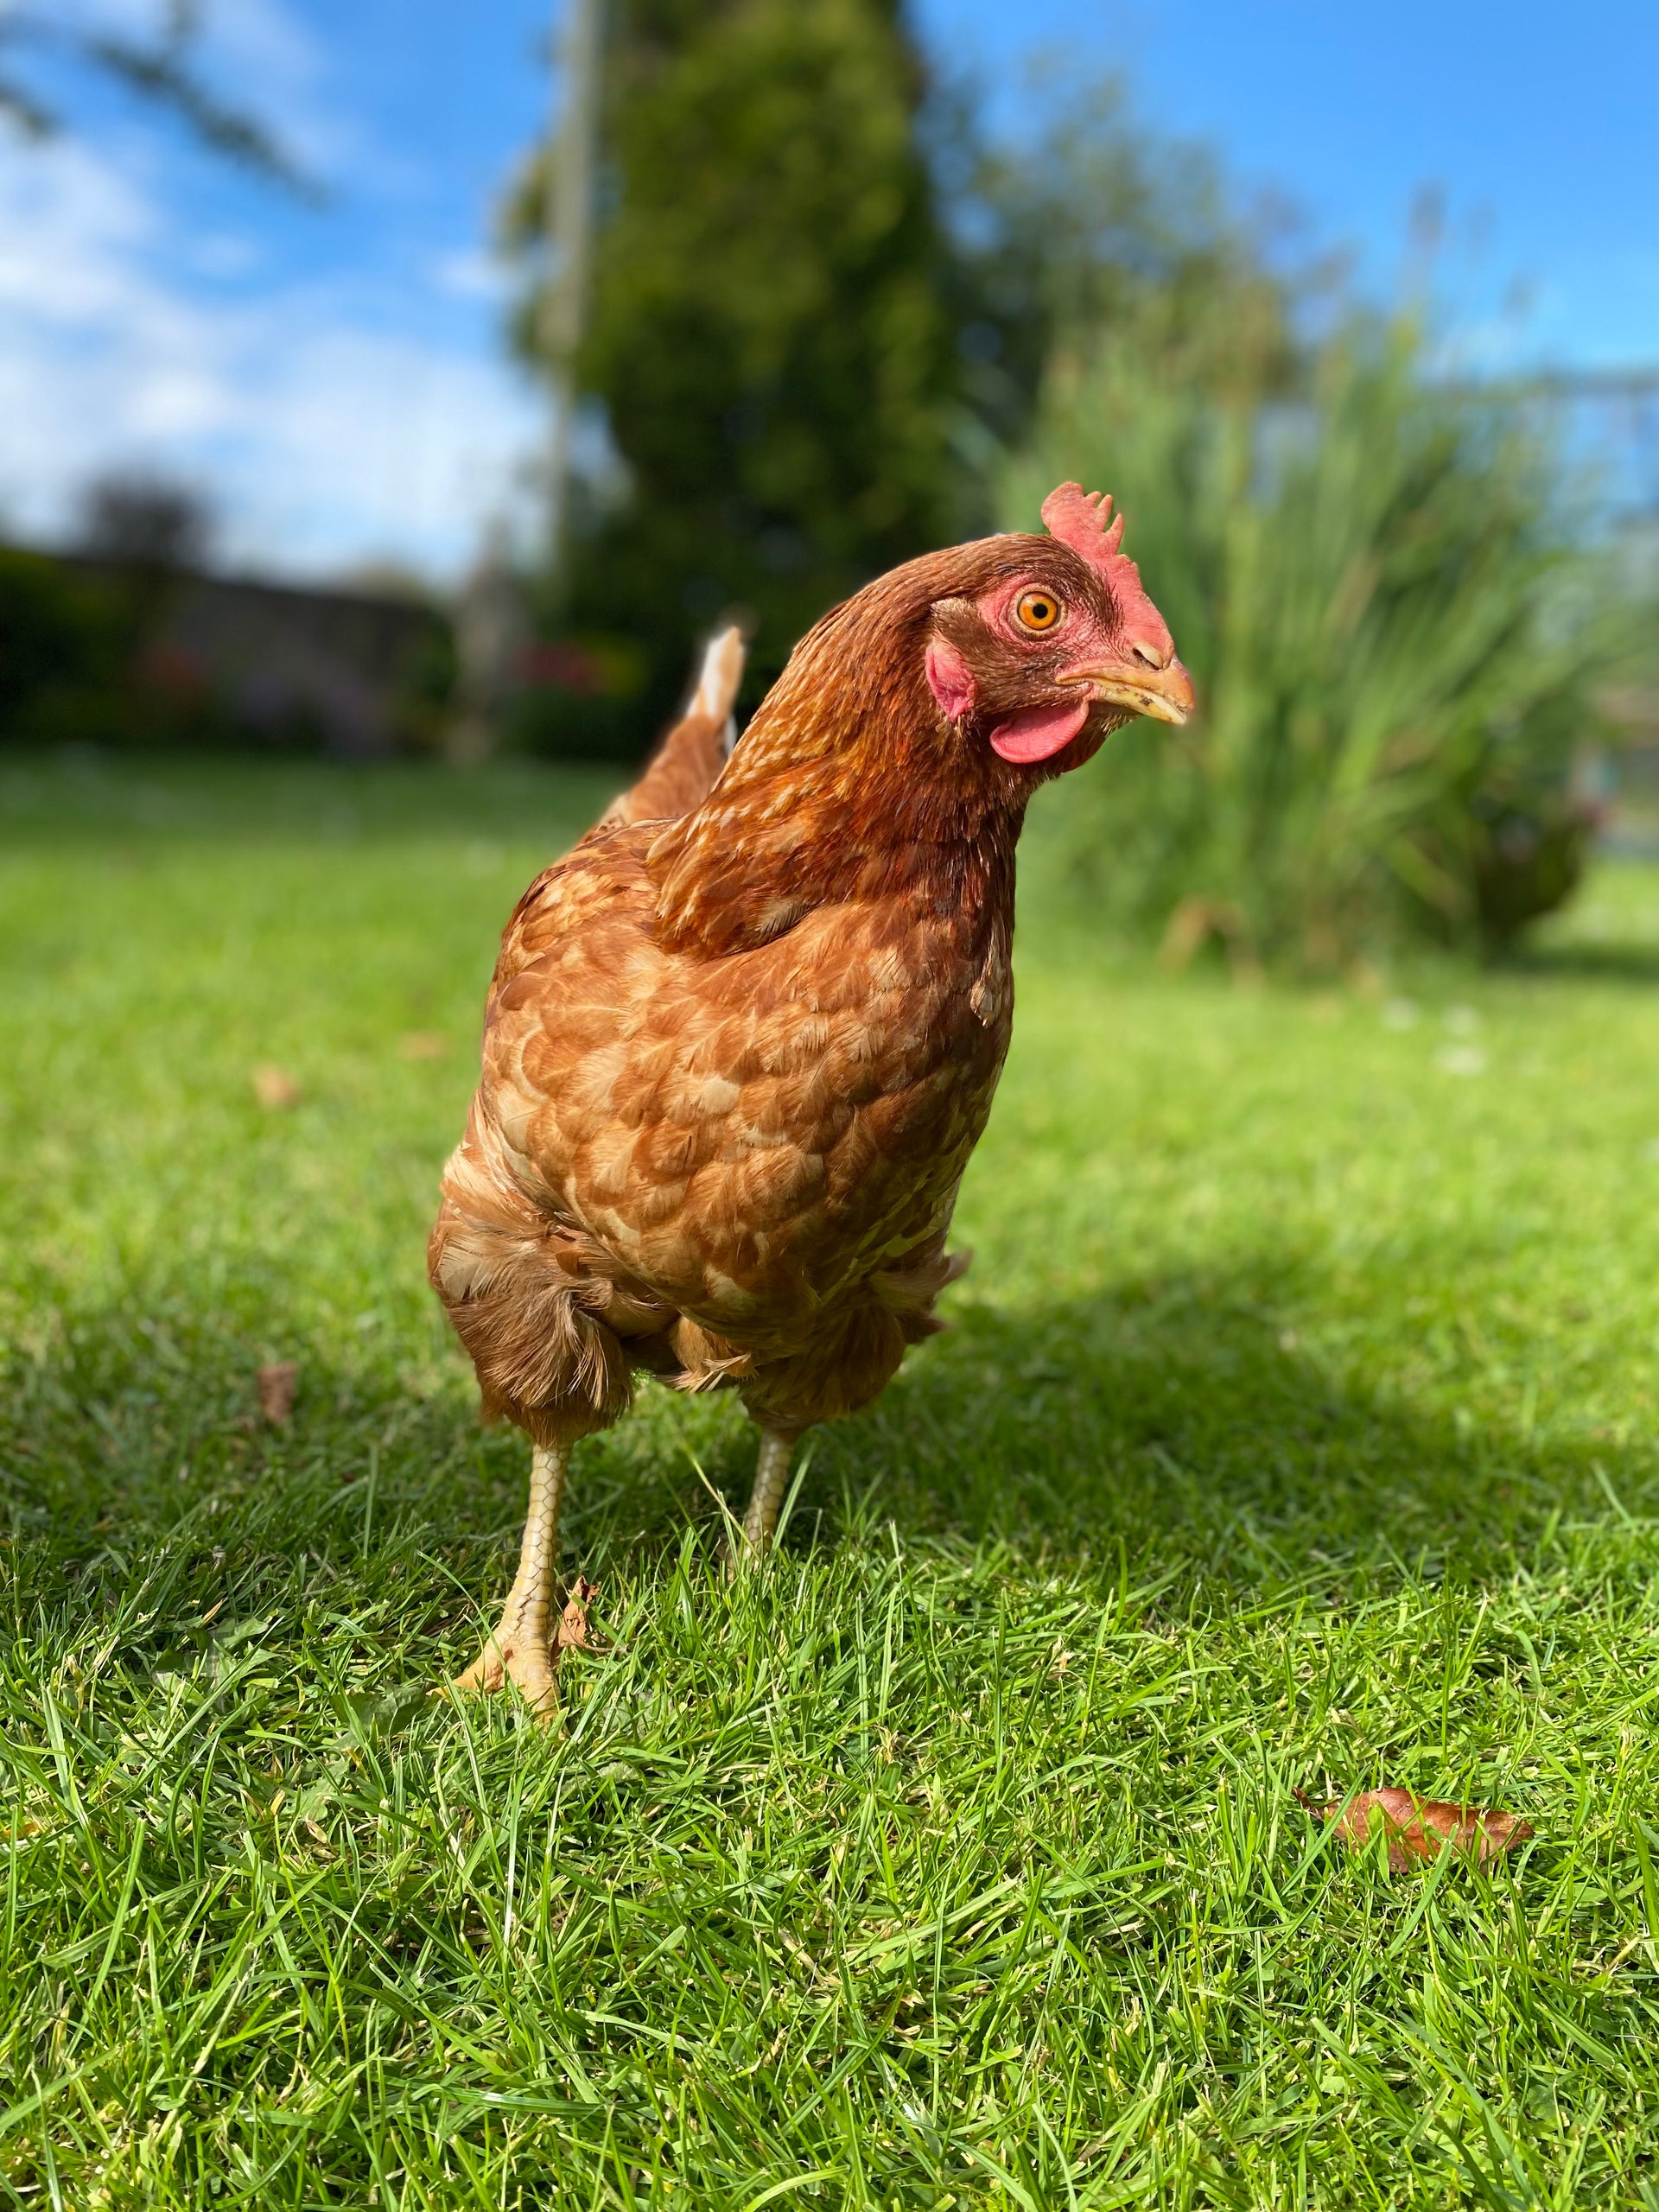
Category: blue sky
<point>336,374</point>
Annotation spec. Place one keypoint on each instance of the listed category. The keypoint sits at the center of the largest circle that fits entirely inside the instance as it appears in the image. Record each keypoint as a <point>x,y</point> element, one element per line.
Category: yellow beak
<point>1166,694</point>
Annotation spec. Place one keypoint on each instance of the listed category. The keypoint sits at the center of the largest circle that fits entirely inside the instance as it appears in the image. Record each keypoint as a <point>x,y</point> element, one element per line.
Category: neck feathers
<point>847,786</point>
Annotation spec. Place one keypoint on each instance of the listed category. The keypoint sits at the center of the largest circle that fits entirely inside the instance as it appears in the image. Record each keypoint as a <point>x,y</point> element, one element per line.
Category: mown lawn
<point>1296,1431</point>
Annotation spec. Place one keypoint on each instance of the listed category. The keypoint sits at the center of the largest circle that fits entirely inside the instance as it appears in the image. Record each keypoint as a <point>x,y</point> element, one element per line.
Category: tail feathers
<point>717,682</point>
<point>683,770</point>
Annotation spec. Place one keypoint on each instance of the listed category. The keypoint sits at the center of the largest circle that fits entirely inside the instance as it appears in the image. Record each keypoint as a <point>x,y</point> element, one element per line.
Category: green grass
<point>1295,1431</point>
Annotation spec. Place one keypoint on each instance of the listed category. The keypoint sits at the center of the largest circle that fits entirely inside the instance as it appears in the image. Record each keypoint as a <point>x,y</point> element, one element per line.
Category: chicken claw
<point>523,1649</point>
<point>527,1665</point>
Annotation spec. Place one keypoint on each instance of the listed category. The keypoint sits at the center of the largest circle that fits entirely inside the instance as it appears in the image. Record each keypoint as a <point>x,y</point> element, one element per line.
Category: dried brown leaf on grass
<point>275,1089</point>
<point>574,1632</point>
<point>1418,1828</point>
<point>276,1384</point>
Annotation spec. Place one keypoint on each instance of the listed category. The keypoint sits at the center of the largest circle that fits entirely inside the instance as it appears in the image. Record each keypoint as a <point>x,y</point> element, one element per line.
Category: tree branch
<point>159,70</point>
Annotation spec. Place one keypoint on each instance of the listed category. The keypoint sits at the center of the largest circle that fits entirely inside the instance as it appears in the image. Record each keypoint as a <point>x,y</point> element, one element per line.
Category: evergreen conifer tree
<point>772,330</point>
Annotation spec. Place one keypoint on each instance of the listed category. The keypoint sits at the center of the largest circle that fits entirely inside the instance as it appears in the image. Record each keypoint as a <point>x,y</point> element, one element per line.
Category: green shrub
<point>64,639</point>
<point>1394,639</point>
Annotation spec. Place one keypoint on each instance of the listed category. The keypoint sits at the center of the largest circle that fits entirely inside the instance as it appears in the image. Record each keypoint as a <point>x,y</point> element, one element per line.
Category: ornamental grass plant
<point>1383,593</point>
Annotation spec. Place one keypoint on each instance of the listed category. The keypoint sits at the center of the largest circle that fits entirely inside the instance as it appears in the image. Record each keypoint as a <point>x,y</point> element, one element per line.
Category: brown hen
<point>741,1041</point>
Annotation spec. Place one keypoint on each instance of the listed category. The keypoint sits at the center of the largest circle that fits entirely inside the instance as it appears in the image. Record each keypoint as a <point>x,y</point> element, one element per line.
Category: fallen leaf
<point>423,1045</point>
<point>275,1089</point>
<point>1418,1827</point>
<point>574,1634</point>
<point>276,1384</point>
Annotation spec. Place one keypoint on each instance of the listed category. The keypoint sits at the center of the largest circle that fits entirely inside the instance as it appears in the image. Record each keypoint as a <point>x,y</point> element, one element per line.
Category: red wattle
<point>1040,732</point>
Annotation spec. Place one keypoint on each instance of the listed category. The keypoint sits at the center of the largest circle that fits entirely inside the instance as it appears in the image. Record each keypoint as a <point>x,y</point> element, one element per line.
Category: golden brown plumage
<point>741,1041</point>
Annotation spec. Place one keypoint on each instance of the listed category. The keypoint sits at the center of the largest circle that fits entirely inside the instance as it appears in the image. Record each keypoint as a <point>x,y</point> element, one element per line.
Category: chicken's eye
<point>1037,610</point>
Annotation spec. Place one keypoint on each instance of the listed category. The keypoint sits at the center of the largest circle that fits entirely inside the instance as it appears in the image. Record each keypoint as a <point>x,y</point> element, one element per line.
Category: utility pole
<point>569,223</point>
<point>492,623</point>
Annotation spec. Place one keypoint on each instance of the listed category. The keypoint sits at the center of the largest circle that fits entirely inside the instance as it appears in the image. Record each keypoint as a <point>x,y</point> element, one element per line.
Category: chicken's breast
<point>752,1138</point>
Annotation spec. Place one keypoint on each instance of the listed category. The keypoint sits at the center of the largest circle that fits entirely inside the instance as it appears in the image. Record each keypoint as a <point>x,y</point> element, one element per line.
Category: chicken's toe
<point>527,1663</point>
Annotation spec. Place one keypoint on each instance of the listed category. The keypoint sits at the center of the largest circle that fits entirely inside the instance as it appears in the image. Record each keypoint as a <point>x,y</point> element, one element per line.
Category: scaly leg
<point>521,1650</point>
<point>766,1498</point>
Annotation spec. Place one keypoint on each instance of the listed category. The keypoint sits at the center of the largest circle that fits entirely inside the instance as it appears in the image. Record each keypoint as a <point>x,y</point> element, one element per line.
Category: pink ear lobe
<point>951,680</point>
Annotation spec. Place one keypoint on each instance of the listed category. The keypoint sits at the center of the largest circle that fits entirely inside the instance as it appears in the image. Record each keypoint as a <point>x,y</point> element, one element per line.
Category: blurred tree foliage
<point>824,300</point>
<point>139,518</point>
<point>157,63</point>
<point>774,335</point>
<point>1095,224</point>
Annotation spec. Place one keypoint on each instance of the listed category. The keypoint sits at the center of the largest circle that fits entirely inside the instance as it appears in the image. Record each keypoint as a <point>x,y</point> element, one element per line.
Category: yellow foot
<point>520,1651</point>
<point>528,1664</point>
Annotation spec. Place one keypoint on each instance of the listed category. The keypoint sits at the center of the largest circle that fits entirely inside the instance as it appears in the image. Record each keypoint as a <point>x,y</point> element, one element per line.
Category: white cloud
<point>264,43</point>
<point>470,275</point>
<point>328,437</point>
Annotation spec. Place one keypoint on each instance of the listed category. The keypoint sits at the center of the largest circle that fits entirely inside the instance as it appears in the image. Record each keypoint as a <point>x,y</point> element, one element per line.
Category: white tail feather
<point>717,682</point>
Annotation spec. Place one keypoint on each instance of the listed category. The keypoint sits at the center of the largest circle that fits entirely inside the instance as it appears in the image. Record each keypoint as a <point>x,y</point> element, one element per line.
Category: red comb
<point>1079,519</point>
<point>1083,520</point>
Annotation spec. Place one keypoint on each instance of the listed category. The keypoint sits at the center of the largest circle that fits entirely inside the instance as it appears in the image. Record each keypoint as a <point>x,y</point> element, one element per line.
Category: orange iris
<point>1037,610</point>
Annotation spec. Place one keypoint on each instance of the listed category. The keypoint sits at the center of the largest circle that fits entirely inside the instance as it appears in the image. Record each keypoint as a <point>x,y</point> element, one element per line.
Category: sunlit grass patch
<point>1295,1431</point>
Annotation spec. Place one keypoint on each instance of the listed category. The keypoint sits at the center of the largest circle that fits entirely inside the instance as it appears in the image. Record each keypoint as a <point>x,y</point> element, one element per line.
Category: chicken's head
<point>1061,643</point>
